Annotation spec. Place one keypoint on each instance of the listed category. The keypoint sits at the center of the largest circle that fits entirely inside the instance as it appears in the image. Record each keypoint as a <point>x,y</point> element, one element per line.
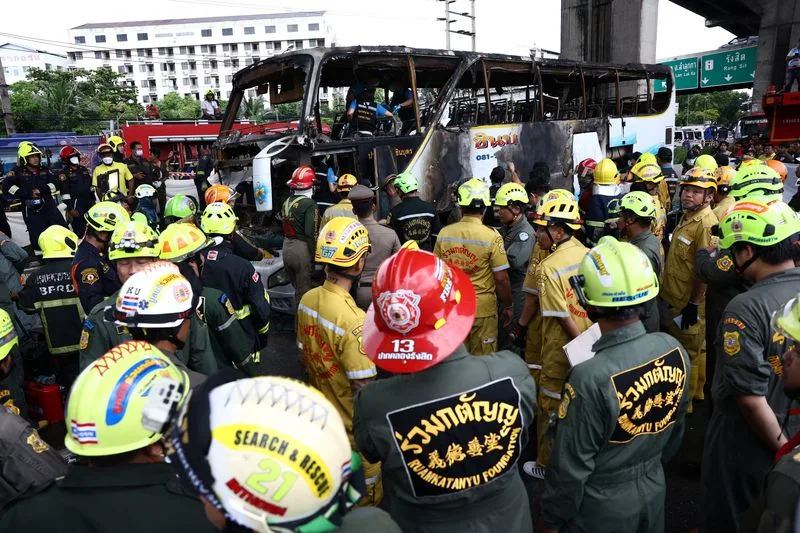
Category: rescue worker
<point>133,248</point>
<point>116,197</point>
<point>605,187</point>
<point>563,318</point>
<point>241,245</point>
<point>637,211</point>
<point>518,237</point>
<point>383,241</point>
<point>413,218</point>
<point>664,160</point>
<point>663,194</point>
<point>538,185</point>
<point>722,199</point>
<point>236,277</point>
<point>141,169</point>
<point>28,462</point>
<point>682,307</point>
<point>345,207</point>
<point>220,193</point>
<point>49,292</point>
<point>205,167</point>
<point>122,472</point>
<point>34,186</point>
<point>180,208</point>
<point>648,177</point>
<point>584,174</point>
<point>478,250</point>
<point>364,112</point>
<point>184,244</point>
<point>421,315</point>
<point>329,330</point>
<point>111,174</point>
<point>778,167</point>
<point>92,275</point>
<point>117,144</point>
<point>605,472</point>
<point>77,191</point>
<point>147,210</point>
<point>300,227</point>
<point>748,422</point>
<point>265,405</point>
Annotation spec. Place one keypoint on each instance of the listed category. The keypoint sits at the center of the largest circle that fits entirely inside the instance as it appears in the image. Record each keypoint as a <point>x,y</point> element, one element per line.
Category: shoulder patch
<point>90,276</point>
<point>724,263</point>
<point>212,255</point>
<point>730,342</point>
<point>62,177</point>
<point>84,342</point>
<point>256,277</point>
<point>36,442</point>
<point>523,236</point>
<point>734,321</point>
<point>226,302</point>
<point>357,334</point>
<point>88,325</point>
<point>569,394</point>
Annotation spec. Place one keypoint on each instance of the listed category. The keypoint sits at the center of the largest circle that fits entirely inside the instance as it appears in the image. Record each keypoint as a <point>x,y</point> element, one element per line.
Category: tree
<point>253,109</point>
<point>282,112</point>
<point>173,107</point>
<point>723,107</point>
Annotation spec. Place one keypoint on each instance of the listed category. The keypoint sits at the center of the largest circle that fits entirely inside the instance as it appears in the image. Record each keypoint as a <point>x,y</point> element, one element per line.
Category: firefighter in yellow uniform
<point>722,199</point>
<point>682,306</point>
<point>478,250</point>
<point>329,327</point>
<point>344,208</point>
<point>649,177</point>
<point>648,158</point>
<point>563,318</point>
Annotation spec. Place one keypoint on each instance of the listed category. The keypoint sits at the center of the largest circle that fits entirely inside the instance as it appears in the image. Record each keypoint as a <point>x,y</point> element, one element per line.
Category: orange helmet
<point>302,178</point>
<point>220,193</point>
<point>422,310</point>
<point>778,167</point>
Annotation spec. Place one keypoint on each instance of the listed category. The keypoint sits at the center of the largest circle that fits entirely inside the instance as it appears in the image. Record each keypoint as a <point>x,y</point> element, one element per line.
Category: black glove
<point>689,315</point>
<point>517,335</point>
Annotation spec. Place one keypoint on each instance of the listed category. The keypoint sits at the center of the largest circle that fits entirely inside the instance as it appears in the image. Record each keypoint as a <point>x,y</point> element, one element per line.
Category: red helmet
<point>586,167</point>
<point>422,310</point>
<point>67,152</point>
<point>302,178</point>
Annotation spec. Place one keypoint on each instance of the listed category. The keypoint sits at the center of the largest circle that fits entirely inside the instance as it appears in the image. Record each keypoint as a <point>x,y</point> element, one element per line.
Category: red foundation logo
<point>400,310</point>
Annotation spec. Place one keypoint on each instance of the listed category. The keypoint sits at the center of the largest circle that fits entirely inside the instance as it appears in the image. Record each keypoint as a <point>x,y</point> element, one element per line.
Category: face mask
<point>139,153</point>
<point>74,160</point>
<point>108,160</point>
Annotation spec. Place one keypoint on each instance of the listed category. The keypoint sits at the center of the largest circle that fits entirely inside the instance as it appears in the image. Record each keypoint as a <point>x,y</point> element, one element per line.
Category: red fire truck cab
<point>783,113</point>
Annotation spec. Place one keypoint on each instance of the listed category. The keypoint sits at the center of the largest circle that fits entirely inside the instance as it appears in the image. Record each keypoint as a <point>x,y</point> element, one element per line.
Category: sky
<point>513,26</point>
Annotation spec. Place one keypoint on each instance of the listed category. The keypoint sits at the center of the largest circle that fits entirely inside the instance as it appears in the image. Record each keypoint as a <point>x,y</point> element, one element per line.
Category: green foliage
<point>678,155</point>
<point>174,106</point>
<point>723,107</point>
<point>75,100</point>
<point>283,112</point>
<point>253,109</point>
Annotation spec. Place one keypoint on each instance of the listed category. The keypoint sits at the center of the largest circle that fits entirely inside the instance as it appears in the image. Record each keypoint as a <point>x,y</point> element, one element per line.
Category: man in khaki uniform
<point>383,241</point>
<point>478,251</point>
<point>682,294</point>
<point>722,199</point>
<point>344,208</point>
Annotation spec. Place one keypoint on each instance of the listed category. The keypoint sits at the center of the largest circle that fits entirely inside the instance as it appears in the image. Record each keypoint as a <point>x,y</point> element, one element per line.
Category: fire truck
<point>783,113</point>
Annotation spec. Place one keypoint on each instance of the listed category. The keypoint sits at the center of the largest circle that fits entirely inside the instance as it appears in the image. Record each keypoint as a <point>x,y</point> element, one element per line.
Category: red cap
<point>67,152</point>
<point>586,167</point>
<point>422,310</point>
<point>302,178</point>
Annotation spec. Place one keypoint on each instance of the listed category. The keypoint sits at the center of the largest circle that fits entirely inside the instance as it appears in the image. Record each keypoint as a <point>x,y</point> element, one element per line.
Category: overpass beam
<point>779,32</point>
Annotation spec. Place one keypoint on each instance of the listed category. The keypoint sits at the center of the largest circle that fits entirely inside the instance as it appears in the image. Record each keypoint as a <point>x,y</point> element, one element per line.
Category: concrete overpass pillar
<point>609,31</point>
<point>779,32</point>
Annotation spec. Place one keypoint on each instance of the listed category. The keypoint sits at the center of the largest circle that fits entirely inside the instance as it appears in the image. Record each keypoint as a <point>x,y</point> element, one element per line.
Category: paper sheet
<point>579,349</point>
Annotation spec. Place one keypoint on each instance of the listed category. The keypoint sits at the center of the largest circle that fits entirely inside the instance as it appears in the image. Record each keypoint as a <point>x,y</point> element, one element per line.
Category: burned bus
<point>465,114</point>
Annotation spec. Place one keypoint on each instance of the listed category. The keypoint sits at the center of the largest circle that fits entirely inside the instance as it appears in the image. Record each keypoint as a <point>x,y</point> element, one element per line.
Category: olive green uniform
<point>620,417</point>
<point>449,438</point>
<point>781,495</point>
<point>651,246</point>
<point>300,227</point>
<point>735,460</point>
<point>518,239</point>
<point>230,343</point>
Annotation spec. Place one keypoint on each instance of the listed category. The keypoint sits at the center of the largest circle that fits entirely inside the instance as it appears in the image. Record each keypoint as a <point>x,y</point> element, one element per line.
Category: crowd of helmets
<point>138,402</point>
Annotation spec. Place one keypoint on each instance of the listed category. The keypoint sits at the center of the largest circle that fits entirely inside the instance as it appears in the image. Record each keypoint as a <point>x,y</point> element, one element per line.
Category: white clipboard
<point>579,349</point>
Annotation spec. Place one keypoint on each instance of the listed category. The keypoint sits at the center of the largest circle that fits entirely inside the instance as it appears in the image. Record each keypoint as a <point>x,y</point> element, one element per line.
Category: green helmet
<point>639,203</point>
<point>134,239</point>
<point>647,158</point>
<point>756,180</point>
<point>706,161</point>
<point>474,193</point>
<point>406,182</point>
<point>615,274</point>
<point>757,221</point>
<point>510,192</point>
<point>180,206</point>
<point>8,335</point>
<point>613,209</point>
<point>218,219</point>
<point>27,149</point>
<point>786,320</point>
<point>104,216</point>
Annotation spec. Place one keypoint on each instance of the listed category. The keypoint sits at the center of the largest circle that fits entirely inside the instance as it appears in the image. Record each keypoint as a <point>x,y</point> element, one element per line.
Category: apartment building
<point>190,56</point>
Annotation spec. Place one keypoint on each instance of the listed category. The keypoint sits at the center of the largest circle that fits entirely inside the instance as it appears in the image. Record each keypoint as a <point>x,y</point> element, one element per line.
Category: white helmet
<point>156,297</point>
<point>145,191</point>
<point>277,455</point>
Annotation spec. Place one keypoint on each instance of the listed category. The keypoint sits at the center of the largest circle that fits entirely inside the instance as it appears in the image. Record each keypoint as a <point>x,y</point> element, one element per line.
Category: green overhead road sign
<point>685,73</point>
<point>728,67</point>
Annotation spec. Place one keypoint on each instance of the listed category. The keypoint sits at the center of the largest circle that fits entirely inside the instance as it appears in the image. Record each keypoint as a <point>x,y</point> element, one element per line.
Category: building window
<point>256,59</point>
<point>291,28</point>
<point>212,48</point>
<point>226,48</point>
<point>313,27</point>
<point>205,33</point>
<point>77,55</point>
<point>269,29</point>
<point>119,54</point>
<point>186,81</point>
<point>141,36</point>
<point>191,50</point>
<point>185,65</point>
<point>192,65</point>
<point>298,44</point>
<point>213,63</point>
<point>207,80</point>
<point>144,84</point>
<point>183,50</point>
<point>226,32</point>
<point>146,99</point>
<point>121,69</point>
<point>206,64</point>
<point>234,48</point>
<point>106,55</point>
<point>80,39</point>
<point>122,37</point>
<point>228,78</point>
<point>226,63</point>
<point>204,49</point>
<point>235,63</point>
<point>254,46</point>
<point>268,45</point>
<point>142,68</point>
<point>250,30</point>
<point>98,55</point>
<point>99,38</point>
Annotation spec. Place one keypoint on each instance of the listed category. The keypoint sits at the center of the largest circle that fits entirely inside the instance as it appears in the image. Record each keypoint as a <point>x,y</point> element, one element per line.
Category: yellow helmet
<point>346,182</point>
<point>606,172</point>
<point>752,162</point>
<point>724,176</point>
<point>134,239</point>
<point>218,219</point>
<point>474,193</point>
<point>647,158</point>
<point>699,177</point>
<point>115,141</point>
<point>8,336</point>
<point>510,192</point>
<point>27,149</point>
<point>563,210</point>
<point>181,241</point>
<point>342,242</point>
<point>104,216</point>
<point>706,161</point>
<point>648,172</point>
<point>105,405</point>
<point>58,242</point>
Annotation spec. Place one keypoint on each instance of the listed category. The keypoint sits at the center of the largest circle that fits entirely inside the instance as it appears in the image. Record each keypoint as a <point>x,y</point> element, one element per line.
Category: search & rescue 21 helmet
<point>58,242</point>
<point>104,216</point>
<point>105,406</point>
<point>218,219</point>
<point>27,149</point>
<point>134,239</point>
<point>342,242</point>
<point>786,320</point>
<point>474,193</point>
<point>422,310</point>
